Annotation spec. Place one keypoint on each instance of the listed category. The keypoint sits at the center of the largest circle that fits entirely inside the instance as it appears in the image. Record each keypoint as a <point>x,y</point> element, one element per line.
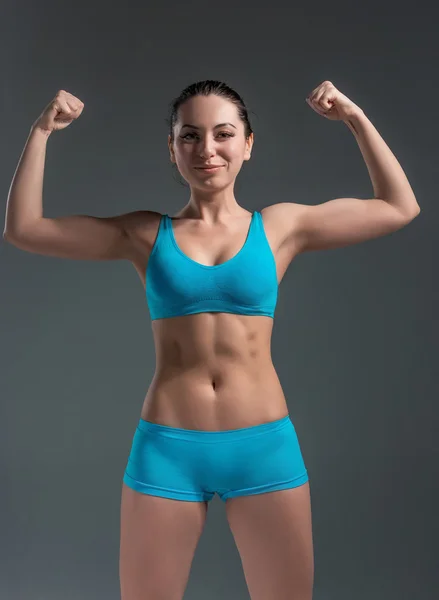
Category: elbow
<point>415,212</point>
<point>411,213</point>
<point>9,237</point>
<point>416,209</point>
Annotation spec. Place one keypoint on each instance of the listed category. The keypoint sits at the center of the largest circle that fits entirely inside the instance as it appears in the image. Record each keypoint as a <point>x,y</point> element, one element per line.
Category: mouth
<point>212,169</point>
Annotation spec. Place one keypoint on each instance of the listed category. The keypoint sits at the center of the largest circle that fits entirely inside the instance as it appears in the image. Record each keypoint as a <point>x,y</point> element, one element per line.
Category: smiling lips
<point>210,167</point>
<point>210,170</point>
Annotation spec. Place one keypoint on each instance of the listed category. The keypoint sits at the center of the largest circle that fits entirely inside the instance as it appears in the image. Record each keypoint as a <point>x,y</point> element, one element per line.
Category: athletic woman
<point>215,419</point>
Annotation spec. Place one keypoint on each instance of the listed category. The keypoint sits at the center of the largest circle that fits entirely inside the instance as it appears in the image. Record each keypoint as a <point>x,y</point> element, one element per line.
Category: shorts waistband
<point>226,435</point>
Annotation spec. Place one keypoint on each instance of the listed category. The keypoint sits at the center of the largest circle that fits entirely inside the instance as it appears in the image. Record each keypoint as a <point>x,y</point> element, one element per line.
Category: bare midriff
<point>214,372</point>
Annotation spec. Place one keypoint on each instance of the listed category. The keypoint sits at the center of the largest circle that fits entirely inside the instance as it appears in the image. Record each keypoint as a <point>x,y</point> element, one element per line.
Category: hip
<point>194,465</point>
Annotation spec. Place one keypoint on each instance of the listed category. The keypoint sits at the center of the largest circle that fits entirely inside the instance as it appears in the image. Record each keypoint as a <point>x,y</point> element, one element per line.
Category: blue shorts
<point>187,464</point>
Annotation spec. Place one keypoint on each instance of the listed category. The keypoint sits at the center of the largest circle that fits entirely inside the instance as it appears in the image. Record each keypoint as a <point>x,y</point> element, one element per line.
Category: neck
<point>212,207</point>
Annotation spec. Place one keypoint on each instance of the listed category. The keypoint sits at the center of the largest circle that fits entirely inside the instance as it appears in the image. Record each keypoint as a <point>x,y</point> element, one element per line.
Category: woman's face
<point>199,140</point>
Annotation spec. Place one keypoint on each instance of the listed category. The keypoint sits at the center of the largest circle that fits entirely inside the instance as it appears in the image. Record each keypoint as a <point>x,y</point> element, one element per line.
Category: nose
<point>206,148</point>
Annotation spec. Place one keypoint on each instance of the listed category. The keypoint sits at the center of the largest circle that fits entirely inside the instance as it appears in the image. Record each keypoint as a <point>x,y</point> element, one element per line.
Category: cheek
<point>233,152</point>
<point>187,154</point>
<point>184,156</point>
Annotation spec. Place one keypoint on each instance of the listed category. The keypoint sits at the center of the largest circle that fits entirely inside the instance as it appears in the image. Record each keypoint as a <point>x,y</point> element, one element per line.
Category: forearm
<point>25,200</point>
<point>388,178</point>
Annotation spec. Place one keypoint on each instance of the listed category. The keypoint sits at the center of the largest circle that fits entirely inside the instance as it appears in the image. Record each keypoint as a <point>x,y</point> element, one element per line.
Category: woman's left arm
<point>345,221</point>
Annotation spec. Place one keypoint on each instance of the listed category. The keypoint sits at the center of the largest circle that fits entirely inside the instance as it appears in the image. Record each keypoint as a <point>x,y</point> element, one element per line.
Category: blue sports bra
<point>246,284</point>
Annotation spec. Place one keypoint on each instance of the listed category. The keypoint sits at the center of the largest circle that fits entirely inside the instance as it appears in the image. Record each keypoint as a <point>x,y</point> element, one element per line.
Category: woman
<point>215,418</point>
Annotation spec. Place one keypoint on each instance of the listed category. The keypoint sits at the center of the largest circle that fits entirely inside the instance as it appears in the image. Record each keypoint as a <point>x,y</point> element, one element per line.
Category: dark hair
<point>205,88</point>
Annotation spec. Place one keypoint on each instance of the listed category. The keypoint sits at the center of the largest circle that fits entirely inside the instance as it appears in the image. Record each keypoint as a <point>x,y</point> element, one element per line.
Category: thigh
<point>273,534</point>
<point>158,538</point>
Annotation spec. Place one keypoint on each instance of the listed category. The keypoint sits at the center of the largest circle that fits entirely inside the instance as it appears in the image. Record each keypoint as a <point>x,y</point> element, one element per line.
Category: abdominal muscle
<point>214,372</point>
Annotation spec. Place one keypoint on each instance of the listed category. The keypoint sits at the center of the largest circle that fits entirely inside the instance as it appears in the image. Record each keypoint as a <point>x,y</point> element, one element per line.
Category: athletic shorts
<point>193,465</point>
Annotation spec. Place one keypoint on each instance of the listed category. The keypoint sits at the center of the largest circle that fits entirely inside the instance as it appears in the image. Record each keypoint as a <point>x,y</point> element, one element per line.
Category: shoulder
<point>134,220</point>
<point>283,219</point>
<point>140,222</point>
<point>140,229</point>
<point>283,210</point>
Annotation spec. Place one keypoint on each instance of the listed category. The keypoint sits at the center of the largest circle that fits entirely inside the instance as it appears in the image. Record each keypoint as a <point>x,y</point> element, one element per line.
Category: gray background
<point>356,329</point>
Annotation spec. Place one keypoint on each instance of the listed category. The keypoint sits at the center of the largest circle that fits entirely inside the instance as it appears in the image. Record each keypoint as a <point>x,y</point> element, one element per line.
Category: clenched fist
<point>59,113</point>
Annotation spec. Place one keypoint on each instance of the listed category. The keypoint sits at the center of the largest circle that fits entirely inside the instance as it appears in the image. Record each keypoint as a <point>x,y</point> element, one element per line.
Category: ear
<point>171,149</point>
<point>248,146</point>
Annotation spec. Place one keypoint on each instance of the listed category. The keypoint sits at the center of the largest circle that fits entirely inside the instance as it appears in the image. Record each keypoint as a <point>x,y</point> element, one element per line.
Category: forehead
<point>207,111</point>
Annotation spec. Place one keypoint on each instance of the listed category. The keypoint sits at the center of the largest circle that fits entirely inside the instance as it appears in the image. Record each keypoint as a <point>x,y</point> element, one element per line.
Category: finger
<point>323,101</point>
<point>326,101</point>
<point>321,94</point>
<point>317,109</point>
<point>61,106</point>
<point>315,102</point>
<point>73,105</point>
<point>314,92</point>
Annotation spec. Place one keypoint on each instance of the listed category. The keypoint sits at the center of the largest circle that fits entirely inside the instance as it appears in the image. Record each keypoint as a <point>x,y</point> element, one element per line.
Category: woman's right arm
<point>76,236</point>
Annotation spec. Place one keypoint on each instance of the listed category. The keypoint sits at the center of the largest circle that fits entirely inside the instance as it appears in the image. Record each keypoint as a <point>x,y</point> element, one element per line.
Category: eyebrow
<point>216,126</point>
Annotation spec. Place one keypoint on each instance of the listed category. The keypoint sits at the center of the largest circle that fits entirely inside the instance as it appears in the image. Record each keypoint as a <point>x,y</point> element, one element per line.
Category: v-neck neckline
<point>180,251</point>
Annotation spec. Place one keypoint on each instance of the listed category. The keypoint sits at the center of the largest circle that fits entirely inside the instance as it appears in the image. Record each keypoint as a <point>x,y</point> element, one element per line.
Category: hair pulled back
<point>206,88</point>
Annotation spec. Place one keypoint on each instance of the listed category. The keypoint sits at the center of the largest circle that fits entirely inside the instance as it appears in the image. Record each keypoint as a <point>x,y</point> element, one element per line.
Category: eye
<point>224,133</point>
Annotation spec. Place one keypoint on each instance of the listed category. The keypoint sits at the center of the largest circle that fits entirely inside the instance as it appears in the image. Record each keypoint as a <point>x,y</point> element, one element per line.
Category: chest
<point>209,246</point>
<point>213,246</point>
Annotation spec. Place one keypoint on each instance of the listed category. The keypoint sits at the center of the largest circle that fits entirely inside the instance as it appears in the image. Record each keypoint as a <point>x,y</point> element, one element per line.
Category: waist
<point>227,398</point>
